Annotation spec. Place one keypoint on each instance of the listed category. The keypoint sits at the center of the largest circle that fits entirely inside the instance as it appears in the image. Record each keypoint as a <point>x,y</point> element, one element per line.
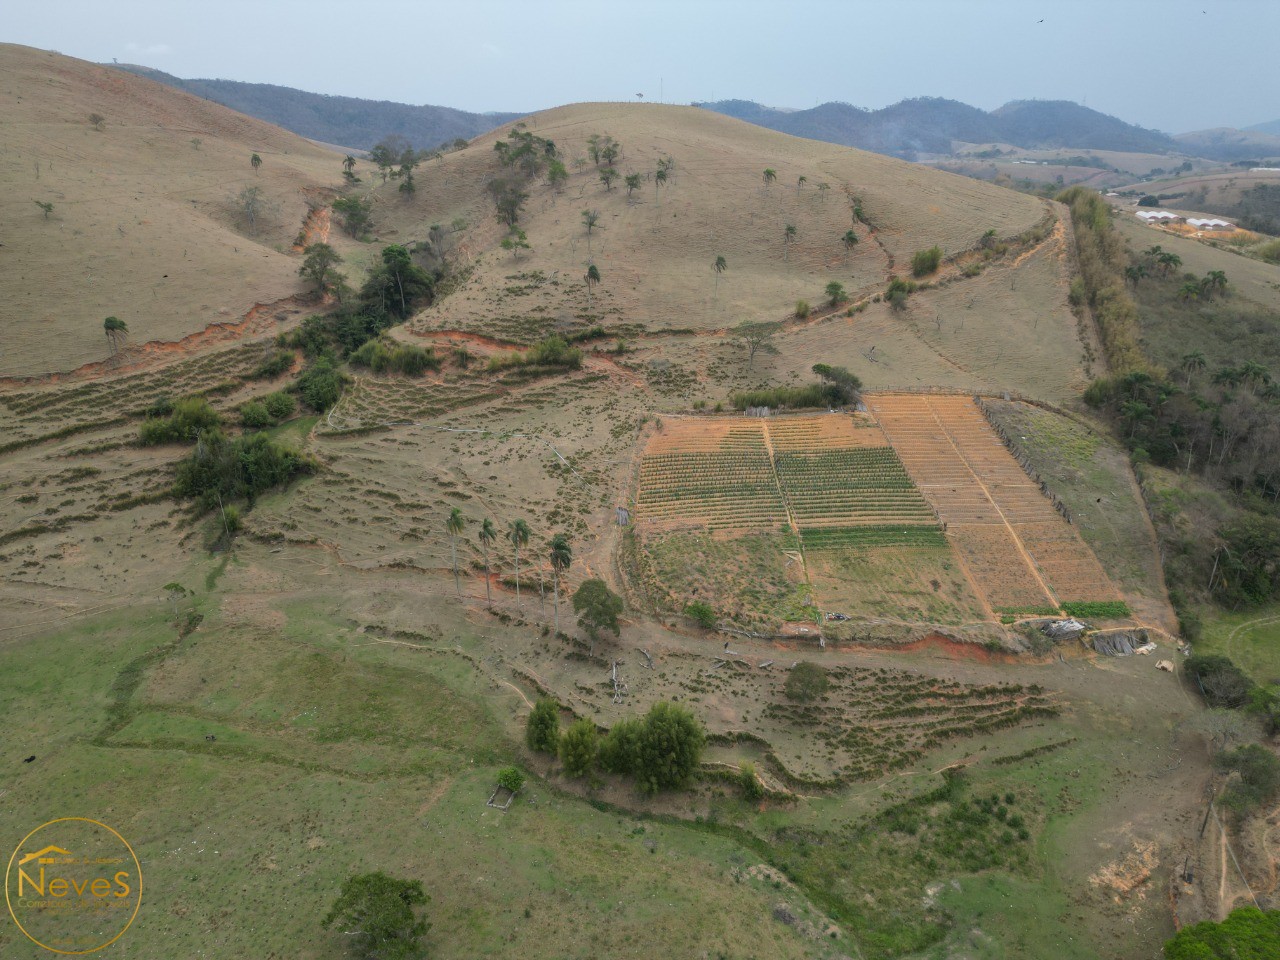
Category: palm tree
<point>487,535</point>
<point>518,534</point>
<point>787,236</point>
<point>1190,291</point>
<point>348,163</point>
<point>1166,263</point>
<point>592,278</point>
<point>720,266</point>
<point>1255,373</point>
<point>589,219</point>
<point>1192,363</point>
<point>454,526</point>
<point>561,557</point>
<point>1214,280</point>
<point>1135,273</point>
<point>116,331</point>
<point>770,175</point>
<point>822,191</point>
<point>850,240</point>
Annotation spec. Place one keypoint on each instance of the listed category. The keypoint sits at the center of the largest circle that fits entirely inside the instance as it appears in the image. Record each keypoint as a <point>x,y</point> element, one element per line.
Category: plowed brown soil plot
<point>1019,550</point>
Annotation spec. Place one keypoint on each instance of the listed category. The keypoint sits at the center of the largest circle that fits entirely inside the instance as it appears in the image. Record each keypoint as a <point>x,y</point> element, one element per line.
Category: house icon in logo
<point>43,856</point>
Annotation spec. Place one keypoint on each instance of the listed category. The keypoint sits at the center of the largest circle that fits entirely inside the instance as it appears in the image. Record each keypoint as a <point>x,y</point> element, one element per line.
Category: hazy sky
<point>1168,64</point>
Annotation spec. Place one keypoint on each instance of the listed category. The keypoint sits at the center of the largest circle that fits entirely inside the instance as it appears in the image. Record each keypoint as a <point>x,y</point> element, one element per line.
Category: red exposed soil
<point>950,647</point>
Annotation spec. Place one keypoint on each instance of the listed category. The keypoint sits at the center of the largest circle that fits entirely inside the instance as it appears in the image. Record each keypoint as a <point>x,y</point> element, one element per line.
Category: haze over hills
<point>1229,144</point>
<point>1271,126</point>
<point>347,121</point>
<point>928,125</point>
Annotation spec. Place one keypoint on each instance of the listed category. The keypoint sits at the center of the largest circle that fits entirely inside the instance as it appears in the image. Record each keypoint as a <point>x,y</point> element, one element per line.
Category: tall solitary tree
<point>518,534</point>
<point>719,267</point>
<point>770,175</point>
<point>592,278</point>
<point>255,161</point>
<point>756,336</point>
<point>348,163</point>
<point>800,182</point>
<point>378,911</point>
<point>632,180</point>
<point>607,176</point>
<point>598,608</point>
<point>318,263</point>
<point>453,526</point>
<point>589,220</point>
<point>850,240</point>
<point>1192,364</point>
<point>561,557</point>
<point>788,235</point>
<point>487,535</point>
<point>116,330</point>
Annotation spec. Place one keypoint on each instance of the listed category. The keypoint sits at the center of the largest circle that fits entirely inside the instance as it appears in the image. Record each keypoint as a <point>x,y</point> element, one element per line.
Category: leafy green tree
<point>508,200</point>
<point>592,278</point>
<point>719,267</point>
<point>847,385</point>
<point>117,332</point>
<point>518,534</point>
<point>1256,780</point>
<point>788,237</point>
<point>806,682</point>
<point>835,293</point>
<point>632,180</point>
<point>511,778</point>
<point>515,241</point>
<point>556,175</point>
<point>396,285</point>
<point>356,212</point>
<point>318,261</point>
<point>378,911</point>
<point>542,732</point>
<point>320,385</point>
<point>255,161</point>
<point>579,746</point>
<point>749,780</point>
<point>700,612</point>
<point>1193,363</point>
<point>97,121</point>
<point>669,747</point>
<point>620,746</point>
<point>1189,291</point>
<point>850,240</point>
<point>453,526</point>
<point>770,175</point>
<point>597,608</point>
<point>756,336</point>
<point>561,555</point>
<point>45,205</point>
<point>607,176</point>
<point>1246,934</point>
<point>488,534</point>
<point>609,150</point>
<point>925,262</point>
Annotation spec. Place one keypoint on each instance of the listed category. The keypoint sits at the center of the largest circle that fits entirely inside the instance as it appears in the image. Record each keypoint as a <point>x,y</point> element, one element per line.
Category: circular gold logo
<point>73,885</point>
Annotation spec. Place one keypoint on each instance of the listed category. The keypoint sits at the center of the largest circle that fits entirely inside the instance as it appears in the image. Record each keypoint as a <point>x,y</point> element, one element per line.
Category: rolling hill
<point>349,121</point>
<point>146,223</point>
<point>927,125</point>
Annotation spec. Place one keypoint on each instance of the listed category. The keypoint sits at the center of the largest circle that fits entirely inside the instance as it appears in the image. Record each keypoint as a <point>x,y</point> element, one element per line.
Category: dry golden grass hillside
<point>655,250</point>
<point>144,223</point>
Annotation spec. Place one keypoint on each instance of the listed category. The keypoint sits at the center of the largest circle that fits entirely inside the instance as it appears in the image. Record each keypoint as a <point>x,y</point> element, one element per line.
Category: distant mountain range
<point>341,121</point>
<point>928,125</point>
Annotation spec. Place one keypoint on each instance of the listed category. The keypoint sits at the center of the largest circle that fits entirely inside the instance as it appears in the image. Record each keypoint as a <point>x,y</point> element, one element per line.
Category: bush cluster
<point>380,357</point>
<point>181,422</point>
<point>553,352</point>
<point>925,262</point>
<point>268,411</point>
<point>221,470</point>
<point>813,395</point>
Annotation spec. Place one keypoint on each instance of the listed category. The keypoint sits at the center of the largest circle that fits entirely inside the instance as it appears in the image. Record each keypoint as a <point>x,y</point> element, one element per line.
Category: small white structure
<point>1210,224</point>
<point>1158,216</point>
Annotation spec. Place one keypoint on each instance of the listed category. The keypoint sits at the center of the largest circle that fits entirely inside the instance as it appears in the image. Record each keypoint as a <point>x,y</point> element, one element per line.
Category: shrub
<point>280,405</point>
<point>554,351</point>
<point>805,682</point>
<point>814,395</point>
<point>1222,683</point>
<point>925,262</point>
<point>619,747</point>
<point>320,385</point>
<point>835,293</point>
<point>802,309</point>
<point>255,415</point>
<point>280,361</point>
<point>219,470</point>
<point>752,788</point>
<point>1247,934</point>
<point>669,747</point>
<point>700,612</point>
<point>381,357</point>
<point>1258,783</point>
<point>190,416</point>
<point>578,747</point>
<point>543,730</point>
<point>511,778</point>
<point>1149,201</point>
<point>1270,251</point>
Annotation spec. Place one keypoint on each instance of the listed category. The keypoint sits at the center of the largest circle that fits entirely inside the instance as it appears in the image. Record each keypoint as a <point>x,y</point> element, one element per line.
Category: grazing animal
<point>30,759</point>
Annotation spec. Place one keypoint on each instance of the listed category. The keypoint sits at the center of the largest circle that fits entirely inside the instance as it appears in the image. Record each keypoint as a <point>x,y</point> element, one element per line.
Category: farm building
<point>1158,216</point>
<point>1210,224</point>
